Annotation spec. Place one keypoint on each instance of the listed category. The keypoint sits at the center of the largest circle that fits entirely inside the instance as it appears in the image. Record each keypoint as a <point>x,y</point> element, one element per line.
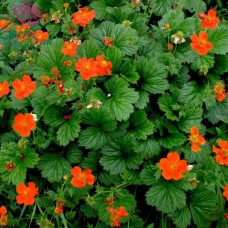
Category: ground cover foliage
<point>114,114</point>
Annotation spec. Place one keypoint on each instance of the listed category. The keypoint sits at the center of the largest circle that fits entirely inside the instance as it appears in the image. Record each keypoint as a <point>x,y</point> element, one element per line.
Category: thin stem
<point>21,214</point>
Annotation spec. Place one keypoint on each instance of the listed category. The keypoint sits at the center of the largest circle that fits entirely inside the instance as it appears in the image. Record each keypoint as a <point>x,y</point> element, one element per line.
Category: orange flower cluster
<point>24,124</point>
<point>45,80</point>
<point>81,178</point>
<point>225,193</point>
<point>90,68</point>
<point>219,90</point>
<point>172,167</point>
<point>209,21</point>
<point>26,194</point>
<point>222,152</point>
<point>3,216</point>
<point>23,32</point>
<point>200,43</point>
<point>4,23</point>
<point>41,36</point>
<point>83,17</point>
<point>196,139</point>
<point>4,88</point>
<point>69,48</point>
<point>116,215</point>
<point>108,41</point>
<point>59,206</point>
<point>23,88</point>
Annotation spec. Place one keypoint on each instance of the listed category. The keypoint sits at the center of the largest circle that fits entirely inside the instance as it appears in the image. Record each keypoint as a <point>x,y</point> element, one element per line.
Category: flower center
<point>193,138</point>
<point>225,152</point>
<point>103,63</point>
<point>69,47</point>
<point>87,66</point>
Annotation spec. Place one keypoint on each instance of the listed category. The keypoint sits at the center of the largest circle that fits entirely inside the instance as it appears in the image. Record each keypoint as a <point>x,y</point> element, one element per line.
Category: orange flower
<point>83,17</point>
<point>24,124</point>
<point>3,216</point>
<point>23,88</point>
<point>3,23</point>
<point>222,152</point>
<point>69,48</point>
<point>41,36</point>
<point>219,90</point>
<point>196,139</point>
<point>225,193</point>
<point>86,67</point>
<point>81,178</point>
<point>58,210</point>
<point>26,194</point>
<point>116,214</point>
<point>23,32</point>
<point>170,46</point>
<point>210,21</point>
<point>21,29</point>
<point>200,43</point>
<point>172,167</point>
<point>103,66</point>
<point>4,88</point>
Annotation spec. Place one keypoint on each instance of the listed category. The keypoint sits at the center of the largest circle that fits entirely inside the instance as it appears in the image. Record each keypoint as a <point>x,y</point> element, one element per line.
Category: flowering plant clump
<point>112,111</point>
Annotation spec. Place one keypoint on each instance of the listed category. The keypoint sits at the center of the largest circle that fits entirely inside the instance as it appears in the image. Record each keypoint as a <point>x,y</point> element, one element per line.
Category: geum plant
<point>114,114</point>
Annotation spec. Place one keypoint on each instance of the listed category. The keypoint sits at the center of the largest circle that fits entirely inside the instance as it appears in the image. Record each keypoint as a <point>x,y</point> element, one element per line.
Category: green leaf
<point>124,38</point>
<point>92,161</point>
<point>219,38</point>
<point>74,154</point>
<point>172,17</point>
<point>53,30</point>
<point>114,55</point>
<point>187,26</point>
<point>22,158</point>
<point>88,211</point>
<point>54,116</point>
<point>140,126</point>
<point>53,166</point>
<point>122,98</point>
<point>149,148</point>
<point>92,137</point>
<point>214,113</point>
<point>166,103</point>
<point>69,130</point>
<point>221,64</point>
<point>118,154</point>
<point>172,64</point>
<point>101,9</point>
<point>173,139</point>
<point>193,6</point>
<point>101,118</point>
<point>201,156</point>
<point>166,196</point>
<point>203,61</point>
<point>19,104</point>
<point>202,203</point>
<point>143,99</point>
<point>88,49</point>
<point>192,117</point>
<point>148,175</point>
<point>181,217</point>
<point>153,75</point>
<point>185,54</point>
<point>190,94</point>
<point>160,8</point>
<point>129,72</point>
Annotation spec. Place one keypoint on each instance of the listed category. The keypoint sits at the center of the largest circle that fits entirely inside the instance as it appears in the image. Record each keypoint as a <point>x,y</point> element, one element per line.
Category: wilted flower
<point>94,103</point>
<point>178,37</point>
